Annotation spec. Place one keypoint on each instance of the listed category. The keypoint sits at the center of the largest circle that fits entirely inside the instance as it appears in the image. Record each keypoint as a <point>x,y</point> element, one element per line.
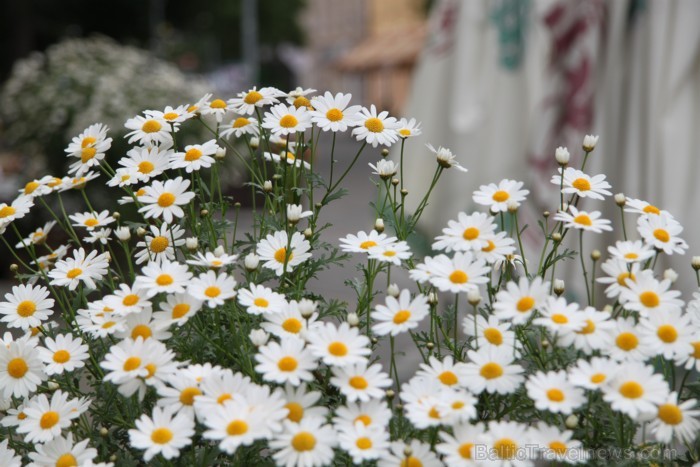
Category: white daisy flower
<point>241,126</point>
<point>619,273</point>
<point>309,443</point>
<point>375,128</point>
<point>596,334</point>
<point>636,390</point>
<point>163,433</point>
<point>16,210</point>
<point>212,288</point>
<point>667,333</point>
<point>373,412</point>
<point>491,369</point>
<point>212,260</point>
<point>160,244</point>
<point>233,425</point>
<point>70,183</point>
<point>498,196</point>
<point>289,322</point>
<point>281,254</point>
<point>9,456</point>
<point>421,397</point>
<point>648,296</point>
<point>62,452</point>
<point>489,331</point>
<point>89,147</point>
<point>628,344</point>
<point>560,317</point>
<point>178,308</point>
<point>195,157</point>
<point>339,346</point>
<point>552,392</point>
<point>662,232</point>
<point>21,370</point>
<point>592,374</point>
<point>364,443</point>
<point>363,242</point>
<point>285,120</point>
<point>258,299</point>
<point>300,403</point>
<point>143,325</point>
<point>173,115</point>
<point>38,237</point>
<point>218,387</point>
<point>289,157</point>
<point>164,199</point>
<point>392,253</point>
<point>582,184</point>
<point>38,187</point>
<point>504,443</point>
<point>558,446</point>
<point>298,98</point>
<point>468,232</point>
<point>583,220</point>
<point>26,307</point>
<point>676,420</point>
<point>127,300</point>
<point>149,162</point>
<point>180,393</point>
<point>384,168</point>
<point>46,419</point>
<point>248,101</point>
<point>638,206</point>
<point>331,113</point>
<point>447,372</point>
<point>63,354</point>
<point>91,220</point>
<point>287,361</point>
<point>148,130</point>
<point>421,455</point>
<point>408,128</point>
<point>456,405</point>
<point>461,273</point>
<point>126,176</point>
<point>399,315</point>
<point>166,277</point>
<point>88,269</point>
<point>216,107</point>
<point>500,247</point>
<point>631,251</point>
<point>360,382</point>
<point>445,158</point>
<point>98,235</point>
<point>458,448</point>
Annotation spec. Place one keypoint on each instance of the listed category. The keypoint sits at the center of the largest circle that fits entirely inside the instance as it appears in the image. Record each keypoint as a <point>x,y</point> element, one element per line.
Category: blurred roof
<point>392,48</point>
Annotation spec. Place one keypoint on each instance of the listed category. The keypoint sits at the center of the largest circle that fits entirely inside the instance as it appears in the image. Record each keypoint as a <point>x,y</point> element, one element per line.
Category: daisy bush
<point>163,331</point>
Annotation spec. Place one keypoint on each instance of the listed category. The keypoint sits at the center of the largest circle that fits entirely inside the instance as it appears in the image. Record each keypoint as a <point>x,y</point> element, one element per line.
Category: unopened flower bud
<point>308,233</point>
<point>620,199</point>
<point>671,275</point>
<point>595,255</point>
<point>374,341</point>
<point>544,343</point>
<point>267,186</point>
<point>385,152</point>
<point>192,243</point>
<point>432,298</point>
<point>254,143</point>
<point>430,346</point>
<point>220,153</point>
<point>390,394</point>
<point>104,432</point>
<point>546,214</point>
<point>695,262</point>
<point>393,290</point>
<point>556,236</point>
<point>107,256</point>
<point>14,267</point>
<point>307,307</point>
<point>353,320</point>
<point>113,458</point>
<point>399,406</point>
<point>408,451</point>
<point>251,262</point>
<point>277,177</point>
<point>562,155</point>
<point>608,308</point>
<point>473,297</point>
<point>53,385</point>
<point>571,421</point>
<point>204,212</point>
<point>589,142</point>
<point>559,286</point>
<point>219,250</point>
<point>404,193</point>
<point>258,337</point>
<point>123,233</point>
<point>116,215</point>
<point>395,181</point>
<point>379,225</point>
<point>512,206</point>
<point>141,232</point>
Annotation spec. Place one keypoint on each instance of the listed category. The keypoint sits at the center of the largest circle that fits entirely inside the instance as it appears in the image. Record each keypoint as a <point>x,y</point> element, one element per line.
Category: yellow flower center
<point>500,196</point>
<point>459,277</point>
<point>164,280</point>
<point>359,382</point>
<point>389,253</point>
<point>161,435</point>
<point>287,364</point>
<point>296,411</point>
<point>212,291</point>
<point>281,255</point>
<point>434,413</point>
<point>583,219</point>
<point>374,125</point>
<point>132,363</point>
<point>150,126</point>
<point>217,104</point>
<point>649,299</point>
<point>491,370</point>
<point>252,97</point>
<point>17,368</point>
<point>108,324</point>
<point>490,247</point>
<point>411,461</point>
<point>338,349</point>
<point>470,233</point>
<point>558,447</point>
<point>87,141</point>
<point>130,300</point>
<point>505,448</point>
<point>303,441</point>
<point>292,325</point>
<point>261,302</point>
<point>141,330</point>
<point>696,350</point>
<point>237,428</point>
<point>631,255</point>
<point>662,235</point>
<point>334,115</point>
<point>555,395</point>
<point>448,378</point>
<point>581,184</point>
<point>598,378</point>
<point>559,318</point>
<point>166,199</point>
<point>525,304</point>
<point>631,390</point>
<point>493,336</point>
<point>365,419</point>
<point>401,316</point>
<point>223,398</point>
<point>146,167</point>
<point>180,310</point>
<point>170,116</point>
<point>187,395</point>
<point>363,443</point>
<point>622,278</point>
<point>367,244</point>
<point>651,209</point>
<point>86,154</point>
<point>670,414</point>
<point>6,211</point>
<point>73,273</point>
<point>159,244</point>
<point>667,333</point>
<point>151,368</point>
<point>91,222</point>
<point>301,101</point>
<point>55,182</point>
<point>61,356</point>
<point>288,121</point>
<point>589,328</point>
<point>49,419</point>
<point>26,308</point>
<point>240,122</point>
<point>465,450</point>
<point>30,187</point>
<point>457,405</point>
<point>193,154</point>
<point>627,341</point>
<point>67,460</point>
<point>140,192</point>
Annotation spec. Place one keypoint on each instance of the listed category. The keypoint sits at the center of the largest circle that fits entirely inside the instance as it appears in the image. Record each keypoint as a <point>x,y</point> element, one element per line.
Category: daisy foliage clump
<point>166,330</point>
